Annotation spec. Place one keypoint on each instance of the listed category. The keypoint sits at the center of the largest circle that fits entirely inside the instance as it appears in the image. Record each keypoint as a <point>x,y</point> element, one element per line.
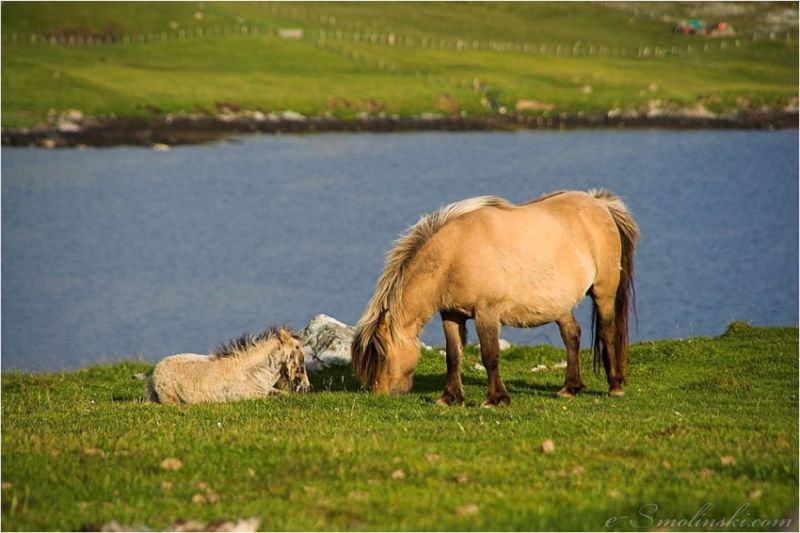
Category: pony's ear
<point>285,336</point>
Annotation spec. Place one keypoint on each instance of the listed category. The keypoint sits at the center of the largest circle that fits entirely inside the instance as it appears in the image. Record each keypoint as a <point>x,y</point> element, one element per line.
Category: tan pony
<point>252,366</point>
<point>499,263</point>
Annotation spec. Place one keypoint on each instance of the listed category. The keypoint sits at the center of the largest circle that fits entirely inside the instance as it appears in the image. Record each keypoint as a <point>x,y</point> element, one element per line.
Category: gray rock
<point>327,343</point>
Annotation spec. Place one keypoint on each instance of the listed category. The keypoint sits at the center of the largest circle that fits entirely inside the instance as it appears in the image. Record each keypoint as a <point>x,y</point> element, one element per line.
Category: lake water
<point>129,252</point>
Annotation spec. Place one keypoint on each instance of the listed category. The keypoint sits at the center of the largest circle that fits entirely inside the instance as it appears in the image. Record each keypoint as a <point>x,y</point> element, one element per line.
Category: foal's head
<point>293,376</point>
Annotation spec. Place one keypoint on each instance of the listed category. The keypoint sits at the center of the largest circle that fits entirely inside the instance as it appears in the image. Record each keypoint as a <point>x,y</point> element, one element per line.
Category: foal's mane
<point>239,346</point>
<point>369,346</point>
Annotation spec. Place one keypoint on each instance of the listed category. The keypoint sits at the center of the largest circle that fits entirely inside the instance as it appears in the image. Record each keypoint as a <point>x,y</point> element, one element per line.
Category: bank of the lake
<point>75,130</point>
<point>708,425</point>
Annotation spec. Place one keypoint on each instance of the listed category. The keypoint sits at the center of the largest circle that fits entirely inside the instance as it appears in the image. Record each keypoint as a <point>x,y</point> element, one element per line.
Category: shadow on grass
<point>125,398</point>
<point>343,380</point>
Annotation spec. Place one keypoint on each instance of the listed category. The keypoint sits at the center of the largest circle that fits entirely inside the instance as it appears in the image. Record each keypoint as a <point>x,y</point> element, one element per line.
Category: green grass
<point>172,73</point>
<point>81,449</point>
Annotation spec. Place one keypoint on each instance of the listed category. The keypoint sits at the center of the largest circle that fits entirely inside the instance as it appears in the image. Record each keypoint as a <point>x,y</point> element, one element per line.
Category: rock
<point>547,446</point>
<point>533,105</point>
<point>292,115</point>
<point>327,343</point>
<point>171,463</point>
<point>504,344</point>
<point>468,509</point>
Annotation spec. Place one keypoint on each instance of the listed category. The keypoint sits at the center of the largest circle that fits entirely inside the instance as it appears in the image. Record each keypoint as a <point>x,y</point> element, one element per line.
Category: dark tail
<point>626,293</point>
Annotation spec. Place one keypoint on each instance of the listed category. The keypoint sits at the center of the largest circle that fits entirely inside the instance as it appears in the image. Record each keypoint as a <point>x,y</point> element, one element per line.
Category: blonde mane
<point>369,347</point>
<point>240,346</point>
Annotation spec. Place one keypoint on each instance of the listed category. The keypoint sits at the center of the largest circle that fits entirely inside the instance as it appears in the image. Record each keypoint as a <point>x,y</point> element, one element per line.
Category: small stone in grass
<point>706,473</point>
<point>755,494</point>
<point>188,525</point>
<point>6,485</point>
<point>398,474</point>
<point>548,446</point>
<point>462,477</point>
<point>199,499</point>
<point>578,470</point>
<point>432,457</point>
<point>202,485</point>
<point>727,460</point>
<point>467,509</point>
<point>171,463</point>
<point>92,451</point>
<point>166,485</point>
<point>211,496</point>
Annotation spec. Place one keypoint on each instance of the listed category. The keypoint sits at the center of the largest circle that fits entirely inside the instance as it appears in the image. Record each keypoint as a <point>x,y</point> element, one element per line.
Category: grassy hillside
<point>705,421</point>
<point>395,58</point>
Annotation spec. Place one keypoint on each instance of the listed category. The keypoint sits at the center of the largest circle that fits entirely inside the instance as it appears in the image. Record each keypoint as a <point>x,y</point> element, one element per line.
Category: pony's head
<point>293,376</point>
<point>384,360</point>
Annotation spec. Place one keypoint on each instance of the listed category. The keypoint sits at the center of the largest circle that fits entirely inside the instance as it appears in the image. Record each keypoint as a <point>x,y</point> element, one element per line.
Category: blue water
<point>129,252</point>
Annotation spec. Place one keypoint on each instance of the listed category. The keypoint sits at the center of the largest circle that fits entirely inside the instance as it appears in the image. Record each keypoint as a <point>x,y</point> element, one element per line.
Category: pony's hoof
<point>616,392</point>
<point>448,400</point>
<point>566,393</point>
<point>494,402</point>
<point>569,391</point>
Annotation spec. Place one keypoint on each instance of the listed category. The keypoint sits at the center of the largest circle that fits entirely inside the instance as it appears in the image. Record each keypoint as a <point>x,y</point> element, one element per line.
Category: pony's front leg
<point>455,334</point>
<point>489,336</point>
<point>571,335</point>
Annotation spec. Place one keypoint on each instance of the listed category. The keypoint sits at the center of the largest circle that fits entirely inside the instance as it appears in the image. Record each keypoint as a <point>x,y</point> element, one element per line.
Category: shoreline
<point>72,130</point>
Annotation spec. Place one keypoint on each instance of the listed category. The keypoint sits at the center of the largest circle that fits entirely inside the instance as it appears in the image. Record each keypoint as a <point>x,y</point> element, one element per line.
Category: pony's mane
<point>247,341</point>
<point>368,346</point>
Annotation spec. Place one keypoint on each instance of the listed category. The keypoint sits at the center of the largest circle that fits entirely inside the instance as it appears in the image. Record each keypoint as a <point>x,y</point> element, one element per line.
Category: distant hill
<point>345,60</point>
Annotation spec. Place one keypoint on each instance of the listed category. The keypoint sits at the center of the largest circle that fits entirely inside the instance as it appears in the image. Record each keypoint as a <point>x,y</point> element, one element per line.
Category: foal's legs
<point>605,314</point>
<point>455,334</point>
<point>489,336</point>
<point>571,335</point>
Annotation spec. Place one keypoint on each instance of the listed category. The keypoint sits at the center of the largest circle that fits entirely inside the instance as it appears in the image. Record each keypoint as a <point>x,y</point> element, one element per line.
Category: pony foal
<point>252,366</point>
<point>498,263</point>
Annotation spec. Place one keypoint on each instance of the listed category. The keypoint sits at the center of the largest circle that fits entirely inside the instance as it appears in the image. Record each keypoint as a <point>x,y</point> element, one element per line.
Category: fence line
<point>390,39</point>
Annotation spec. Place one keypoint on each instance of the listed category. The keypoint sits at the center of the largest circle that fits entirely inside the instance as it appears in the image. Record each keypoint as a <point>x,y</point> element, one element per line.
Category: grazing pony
<point>252,366</point>
<point>498,263</point>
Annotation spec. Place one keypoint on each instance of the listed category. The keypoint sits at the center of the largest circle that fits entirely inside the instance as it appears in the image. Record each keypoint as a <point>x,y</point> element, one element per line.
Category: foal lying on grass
<point>252,366</point>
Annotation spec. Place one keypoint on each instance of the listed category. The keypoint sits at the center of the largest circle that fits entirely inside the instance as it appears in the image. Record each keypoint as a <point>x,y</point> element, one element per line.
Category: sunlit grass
<point>704,421</point>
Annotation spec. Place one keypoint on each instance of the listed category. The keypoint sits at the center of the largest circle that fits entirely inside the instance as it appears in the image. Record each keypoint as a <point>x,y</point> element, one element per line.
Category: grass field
<point>705,421</point>
<point>395,58</point>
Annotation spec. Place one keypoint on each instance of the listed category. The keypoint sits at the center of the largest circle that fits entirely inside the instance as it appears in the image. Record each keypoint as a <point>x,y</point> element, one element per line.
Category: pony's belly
<point>527,317</point>
<point>538,311</point>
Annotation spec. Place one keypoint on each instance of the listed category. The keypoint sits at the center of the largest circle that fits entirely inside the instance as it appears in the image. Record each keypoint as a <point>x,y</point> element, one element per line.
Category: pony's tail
<point>625,300</point>
<point>152,395</point>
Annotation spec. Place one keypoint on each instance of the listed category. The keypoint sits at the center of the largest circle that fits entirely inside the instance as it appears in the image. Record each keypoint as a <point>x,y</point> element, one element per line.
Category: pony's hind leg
<point>455,334</point>
<point>489,337</point>
<point>571,335</point>
<point>607,332</point>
